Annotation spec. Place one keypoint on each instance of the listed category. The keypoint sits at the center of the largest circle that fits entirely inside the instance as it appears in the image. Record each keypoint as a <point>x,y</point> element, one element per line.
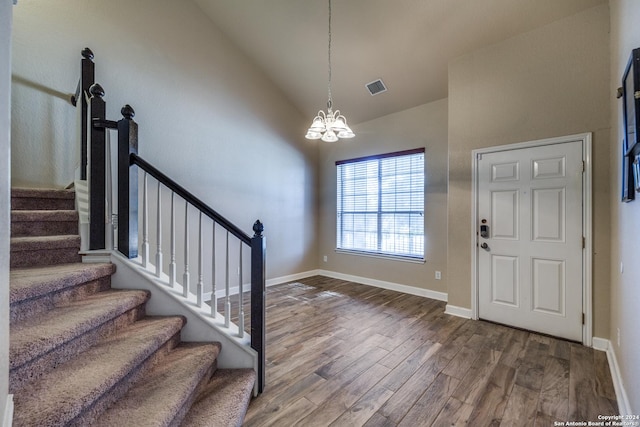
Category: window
<point>380,204</point>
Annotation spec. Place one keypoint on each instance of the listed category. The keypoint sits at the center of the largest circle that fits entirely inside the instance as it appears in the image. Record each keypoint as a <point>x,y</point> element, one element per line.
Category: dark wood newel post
<point>87,77</point>
<point>258,298</point>
<point>97,171</point>
<point>127,184</point>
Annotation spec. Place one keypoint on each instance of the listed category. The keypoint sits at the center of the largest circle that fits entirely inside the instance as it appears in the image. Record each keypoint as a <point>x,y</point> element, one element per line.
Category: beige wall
<point>625,217</point>
<point>5,152</point>
<point>208,117</point>
<point>549,82</point>
<point>423,126</point>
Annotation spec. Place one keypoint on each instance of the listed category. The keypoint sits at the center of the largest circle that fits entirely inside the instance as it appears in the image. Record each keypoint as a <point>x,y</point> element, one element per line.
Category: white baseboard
<point>604,344</point>
<point>270,282</point>
<point>601,344</point>
<point>458,311</point>
<point>292,277</point>
<point>8,412</point>
<point>411,290</point>
<point>406,289</point>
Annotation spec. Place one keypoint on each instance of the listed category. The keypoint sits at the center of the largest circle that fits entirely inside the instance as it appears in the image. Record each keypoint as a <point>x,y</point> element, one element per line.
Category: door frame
<point>587,285</point>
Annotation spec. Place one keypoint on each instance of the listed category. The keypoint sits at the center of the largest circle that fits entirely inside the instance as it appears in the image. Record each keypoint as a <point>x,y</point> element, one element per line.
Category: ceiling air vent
<point>376,87</point>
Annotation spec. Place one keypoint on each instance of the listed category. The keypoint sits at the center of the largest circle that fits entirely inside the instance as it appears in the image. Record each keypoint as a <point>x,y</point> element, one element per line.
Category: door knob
<point>484,246</point>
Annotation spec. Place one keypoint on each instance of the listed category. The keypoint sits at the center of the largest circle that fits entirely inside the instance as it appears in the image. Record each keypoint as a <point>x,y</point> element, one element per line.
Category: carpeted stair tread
<point>43,222</point>
<point>225,400</point>
<point>165,394</point>
<point>44,250</point>
<point>30,243</point>
<point>44,215</point>
<point>49,193</point>
<point>38,198</point>
<point>33,282</point>
<point>33,337</point>
<point>69,391</point>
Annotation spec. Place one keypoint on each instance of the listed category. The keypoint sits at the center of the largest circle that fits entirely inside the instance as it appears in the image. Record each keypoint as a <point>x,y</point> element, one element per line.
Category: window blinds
<point>380,204</point>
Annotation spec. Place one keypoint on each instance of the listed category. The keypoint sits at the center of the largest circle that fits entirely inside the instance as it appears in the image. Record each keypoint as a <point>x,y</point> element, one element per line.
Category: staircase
<point>82,353</point>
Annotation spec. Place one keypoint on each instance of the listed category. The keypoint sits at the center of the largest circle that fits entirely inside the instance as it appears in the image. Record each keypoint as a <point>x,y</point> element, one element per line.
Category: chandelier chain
<point>329,102</point>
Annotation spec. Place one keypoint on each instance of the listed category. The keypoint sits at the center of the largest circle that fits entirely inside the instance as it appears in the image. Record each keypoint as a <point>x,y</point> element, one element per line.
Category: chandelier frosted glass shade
<point>329,127</point>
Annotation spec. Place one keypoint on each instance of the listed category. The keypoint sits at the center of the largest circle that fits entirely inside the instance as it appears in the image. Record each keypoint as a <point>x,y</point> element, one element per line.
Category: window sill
<point>383,256</point>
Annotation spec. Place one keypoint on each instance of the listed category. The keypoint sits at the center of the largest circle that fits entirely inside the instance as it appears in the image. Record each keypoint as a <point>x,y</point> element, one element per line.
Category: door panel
<point>530,270</point>
<point>549,168</point>
<point>549,286</point>
<point>505,280</point>
<point>548,214</point>
<point>504,214</point>
<point>505,172</point>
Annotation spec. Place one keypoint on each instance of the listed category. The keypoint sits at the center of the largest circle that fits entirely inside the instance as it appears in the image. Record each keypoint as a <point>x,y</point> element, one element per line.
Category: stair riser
<point>174,385</point>
<point>93,410</point>
<point>39,257</point>
<point>28,308</point>
<point>202,385</point>
<point>34,369</point>
<point>35,203</point>
<point>43,228</point>
<point>225,400</point>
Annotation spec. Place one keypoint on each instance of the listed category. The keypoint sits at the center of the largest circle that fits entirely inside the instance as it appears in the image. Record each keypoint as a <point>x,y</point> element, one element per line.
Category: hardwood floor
<point>345,354</point>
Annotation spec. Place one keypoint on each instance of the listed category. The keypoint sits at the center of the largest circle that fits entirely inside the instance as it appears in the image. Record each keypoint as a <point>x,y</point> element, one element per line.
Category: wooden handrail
<point>189,197</point>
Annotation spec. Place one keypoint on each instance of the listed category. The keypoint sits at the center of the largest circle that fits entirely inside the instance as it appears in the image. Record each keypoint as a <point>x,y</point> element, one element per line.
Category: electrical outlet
<point>324,258</point>
<point>621,268</point>
<point>438,275</point>
<point>618,337</point>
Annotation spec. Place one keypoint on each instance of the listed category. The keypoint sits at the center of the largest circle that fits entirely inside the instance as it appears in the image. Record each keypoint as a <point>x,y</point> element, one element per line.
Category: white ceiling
<point>407,43</point>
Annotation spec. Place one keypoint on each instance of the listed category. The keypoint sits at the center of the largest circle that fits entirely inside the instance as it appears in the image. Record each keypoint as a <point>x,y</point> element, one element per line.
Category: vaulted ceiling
<point>406,43</point>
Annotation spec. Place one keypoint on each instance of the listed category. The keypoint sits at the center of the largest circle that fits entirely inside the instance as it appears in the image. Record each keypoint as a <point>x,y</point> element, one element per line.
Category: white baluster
<point>172,264</point>
<point>227,301</point>
<point>185,276</point>
<point>214,300</point>
<point>110,238</point>
<point>240,297</point>
<point>159,233</point>
<point>145,227</point>
<point>200,264</point>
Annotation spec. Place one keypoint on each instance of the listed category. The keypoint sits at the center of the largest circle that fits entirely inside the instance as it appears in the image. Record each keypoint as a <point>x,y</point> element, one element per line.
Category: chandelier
<point>332,125</point>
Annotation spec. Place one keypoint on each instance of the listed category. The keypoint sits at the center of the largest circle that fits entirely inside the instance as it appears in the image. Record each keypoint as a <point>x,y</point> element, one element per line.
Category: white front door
<point>530,238</point>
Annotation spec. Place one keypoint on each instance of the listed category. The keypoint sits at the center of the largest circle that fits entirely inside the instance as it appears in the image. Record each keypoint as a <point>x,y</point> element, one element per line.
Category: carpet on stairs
<point>84,354</point>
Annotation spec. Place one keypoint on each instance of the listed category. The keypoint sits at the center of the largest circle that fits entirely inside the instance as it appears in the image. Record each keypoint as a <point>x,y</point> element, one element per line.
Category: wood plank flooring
<point>345,354</point>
